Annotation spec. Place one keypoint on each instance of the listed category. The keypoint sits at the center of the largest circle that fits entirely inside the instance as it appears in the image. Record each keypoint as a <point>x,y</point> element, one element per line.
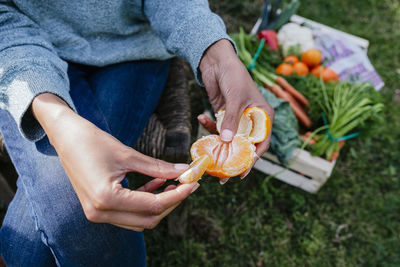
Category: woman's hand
<point>229,86</point>
<point>96,163</point>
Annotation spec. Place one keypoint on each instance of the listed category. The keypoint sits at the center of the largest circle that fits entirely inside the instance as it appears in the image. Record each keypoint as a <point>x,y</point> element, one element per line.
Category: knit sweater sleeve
<point>29,66</point>
<point>186,27</point>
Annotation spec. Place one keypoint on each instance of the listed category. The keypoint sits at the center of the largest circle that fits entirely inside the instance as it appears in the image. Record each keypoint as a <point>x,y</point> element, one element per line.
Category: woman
<point>79,80</point>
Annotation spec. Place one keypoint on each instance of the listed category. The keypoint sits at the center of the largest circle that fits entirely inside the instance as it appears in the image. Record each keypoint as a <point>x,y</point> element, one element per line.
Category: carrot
<point>291,90</point>
<point>305,137</point>
<point>297,110</point>
<point>335,155</point>
<point>288,88</point>
<point>310,142</point>
<point>307,134</point>
<point>341,143</point>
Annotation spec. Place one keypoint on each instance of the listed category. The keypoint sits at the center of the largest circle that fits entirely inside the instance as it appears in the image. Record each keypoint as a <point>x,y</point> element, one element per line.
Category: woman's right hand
<point>96,163</point>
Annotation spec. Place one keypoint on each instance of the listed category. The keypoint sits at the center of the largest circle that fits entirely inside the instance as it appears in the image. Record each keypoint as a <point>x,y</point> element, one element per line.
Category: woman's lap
<point>56,216</point>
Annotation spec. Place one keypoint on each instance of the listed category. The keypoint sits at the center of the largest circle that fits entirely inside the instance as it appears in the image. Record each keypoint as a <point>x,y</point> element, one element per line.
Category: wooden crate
<point>306,172</point>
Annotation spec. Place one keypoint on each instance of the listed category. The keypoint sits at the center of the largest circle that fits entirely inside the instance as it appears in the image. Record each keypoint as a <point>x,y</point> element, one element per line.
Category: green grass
<point>352,221</point>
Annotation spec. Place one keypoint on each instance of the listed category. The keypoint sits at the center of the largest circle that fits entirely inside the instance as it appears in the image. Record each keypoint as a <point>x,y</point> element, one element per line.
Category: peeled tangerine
<point>223,160</point>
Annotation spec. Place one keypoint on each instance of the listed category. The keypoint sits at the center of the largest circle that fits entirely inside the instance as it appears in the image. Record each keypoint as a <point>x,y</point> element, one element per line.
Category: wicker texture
<point>168,135</point>
<point>152,140</point>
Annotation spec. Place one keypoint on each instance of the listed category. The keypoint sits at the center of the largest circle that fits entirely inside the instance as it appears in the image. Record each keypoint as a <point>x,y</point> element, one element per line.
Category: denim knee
<point>20,239</point>
<point>64,228</point>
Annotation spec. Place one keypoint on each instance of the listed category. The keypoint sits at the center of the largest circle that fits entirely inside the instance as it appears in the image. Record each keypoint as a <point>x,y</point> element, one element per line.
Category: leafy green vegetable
<point>262,66</point>
<point>284,136</point>
<point>348,107</point>
<point>267,59</point>
<point>272,18</point>
<point>287,12</point>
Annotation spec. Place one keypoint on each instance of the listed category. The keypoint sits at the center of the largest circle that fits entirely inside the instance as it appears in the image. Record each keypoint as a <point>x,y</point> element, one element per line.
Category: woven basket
<point>167,135</point>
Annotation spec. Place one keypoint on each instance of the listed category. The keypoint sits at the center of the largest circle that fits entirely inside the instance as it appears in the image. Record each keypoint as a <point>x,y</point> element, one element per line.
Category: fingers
<point>138,210</point>
<point>244,174</point>
<point>260,150</point>
<point>169,188</point>
<point>223,181</point>
<point>148,203</point>
<point>152,185</point>
<point>134,221</point>
<point>136,229</point>
<point>230,122</point>
<point>137,162</point>
<point>262,147</point>
<point>208,123</point>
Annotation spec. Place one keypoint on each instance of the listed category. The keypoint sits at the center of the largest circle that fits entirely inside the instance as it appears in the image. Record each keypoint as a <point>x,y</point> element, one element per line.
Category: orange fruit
<point>224,160</point>
<point>254,124</point>
<point>228,159</point>
<point>284,69</point>
<point>329,75</point>
<point>196,170</point>
<point>291,59</point>
<point>300,69</point>
<point>317,71</point>
<point>245,123</point>
<point>312,57</point>
<point>261,124</point>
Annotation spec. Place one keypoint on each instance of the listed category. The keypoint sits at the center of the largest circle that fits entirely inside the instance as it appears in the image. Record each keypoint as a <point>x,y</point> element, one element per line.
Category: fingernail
<point>244,175</point>
<point>226,135</point>
<point>223,181</point>
<point>161,180</point>
<point>181,166</point>
<point>195,187</point>
<point>200,118</point>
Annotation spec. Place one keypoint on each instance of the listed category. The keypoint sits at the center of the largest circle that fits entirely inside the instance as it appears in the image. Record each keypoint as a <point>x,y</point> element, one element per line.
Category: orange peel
<point>223,160</point>
<point>228,159</point>
<point>254,124</point>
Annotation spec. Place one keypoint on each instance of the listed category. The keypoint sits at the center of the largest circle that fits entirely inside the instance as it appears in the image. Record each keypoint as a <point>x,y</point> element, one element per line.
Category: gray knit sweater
<point>38,36</point>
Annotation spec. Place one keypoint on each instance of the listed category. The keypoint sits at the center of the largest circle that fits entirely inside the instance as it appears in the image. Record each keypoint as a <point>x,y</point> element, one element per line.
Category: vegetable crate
<point>307,172</point>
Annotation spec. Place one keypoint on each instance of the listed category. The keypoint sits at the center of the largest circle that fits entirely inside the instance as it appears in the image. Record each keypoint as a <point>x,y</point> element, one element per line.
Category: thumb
<point>230,122</point>
<point>138,162</point>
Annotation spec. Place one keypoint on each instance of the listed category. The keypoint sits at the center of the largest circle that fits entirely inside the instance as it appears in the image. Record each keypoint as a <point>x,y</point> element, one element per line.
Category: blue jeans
<point>45,224</point>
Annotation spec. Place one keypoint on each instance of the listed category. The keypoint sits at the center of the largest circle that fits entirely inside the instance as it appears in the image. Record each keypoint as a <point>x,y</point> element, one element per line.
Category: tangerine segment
<point>261,124</point>
<point>228,159</point>
<point>196,170</point>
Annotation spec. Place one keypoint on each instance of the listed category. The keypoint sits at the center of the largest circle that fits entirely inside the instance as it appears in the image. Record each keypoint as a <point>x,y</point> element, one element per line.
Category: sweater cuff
<point>191,40</point>
<point>24,89</point>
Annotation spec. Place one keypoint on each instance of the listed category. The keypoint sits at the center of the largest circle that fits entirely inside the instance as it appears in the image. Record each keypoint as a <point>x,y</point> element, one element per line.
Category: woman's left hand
<point>230,87</point>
